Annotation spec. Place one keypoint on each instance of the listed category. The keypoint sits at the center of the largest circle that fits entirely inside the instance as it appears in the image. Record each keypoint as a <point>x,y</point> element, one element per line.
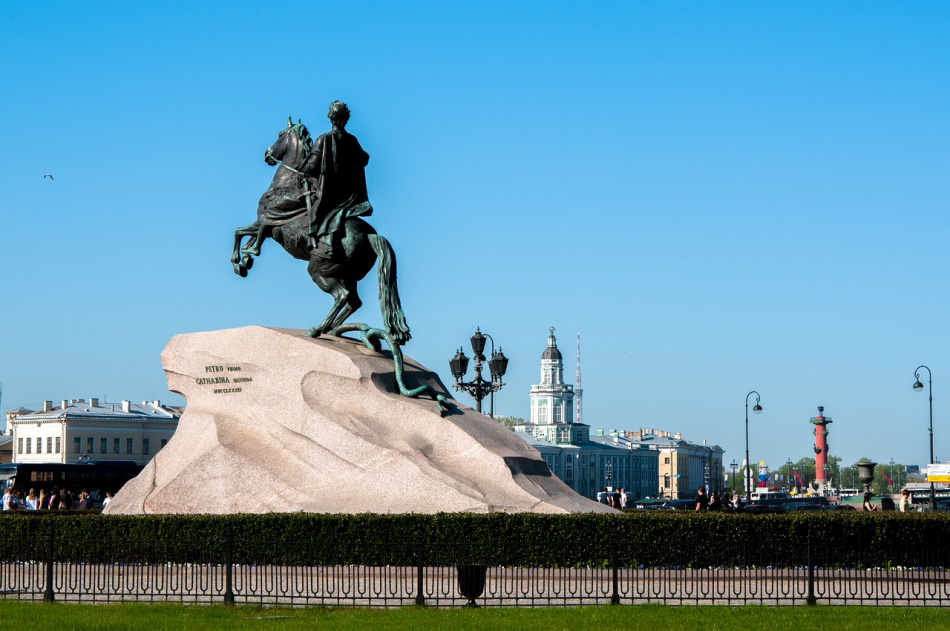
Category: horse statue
<point>282,216</point>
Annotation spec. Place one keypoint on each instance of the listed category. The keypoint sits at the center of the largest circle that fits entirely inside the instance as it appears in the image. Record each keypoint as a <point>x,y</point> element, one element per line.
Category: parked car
<point>762,508</point>
<point>679,505</point>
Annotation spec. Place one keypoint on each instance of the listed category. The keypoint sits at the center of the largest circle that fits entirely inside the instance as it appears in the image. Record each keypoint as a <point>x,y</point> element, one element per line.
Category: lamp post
<point>918,387</point>
<point>733,464</point>
<point>788,475</point>
<point>748,463</point>
<point>608,471</point>
<point>478,388</point>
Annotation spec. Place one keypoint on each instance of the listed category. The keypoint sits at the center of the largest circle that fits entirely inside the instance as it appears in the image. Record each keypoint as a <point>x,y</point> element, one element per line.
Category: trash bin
<point>472,582</point>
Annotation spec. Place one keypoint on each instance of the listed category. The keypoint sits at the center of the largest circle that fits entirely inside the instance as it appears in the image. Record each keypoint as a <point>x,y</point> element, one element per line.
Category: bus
<point>96,476</point>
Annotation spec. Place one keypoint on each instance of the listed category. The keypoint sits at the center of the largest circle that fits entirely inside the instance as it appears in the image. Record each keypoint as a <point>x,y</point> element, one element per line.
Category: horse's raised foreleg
<point>253,246</point>
<point>240,260</point>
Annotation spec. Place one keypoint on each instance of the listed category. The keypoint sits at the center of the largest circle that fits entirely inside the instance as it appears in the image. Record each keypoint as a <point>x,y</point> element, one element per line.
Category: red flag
<point>799,478</point>
<point>887,478</point>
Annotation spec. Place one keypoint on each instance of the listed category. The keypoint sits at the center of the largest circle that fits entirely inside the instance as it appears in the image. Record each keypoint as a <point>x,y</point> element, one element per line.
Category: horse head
<point>292,146</point>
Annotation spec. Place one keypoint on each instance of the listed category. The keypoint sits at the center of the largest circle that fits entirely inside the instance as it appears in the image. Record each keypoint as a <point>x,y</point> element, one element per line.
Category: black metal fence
<point>231,570</point>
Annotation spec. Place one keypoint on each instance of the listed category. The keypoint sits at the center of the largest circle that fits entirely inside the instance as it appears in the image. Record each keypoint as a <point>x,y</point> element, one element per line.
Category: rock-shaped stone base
<point>280,422</point>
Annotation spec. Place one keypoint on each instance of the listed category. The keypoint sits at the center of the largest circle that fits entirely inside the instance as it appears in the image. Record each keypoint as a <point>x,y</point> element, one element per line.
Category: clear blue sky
<point>719,197</point>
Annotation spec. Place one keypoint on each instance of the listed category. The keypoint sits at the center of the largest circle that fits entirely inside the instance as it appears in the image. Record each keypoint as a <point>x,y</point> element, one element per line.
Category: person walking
<point>905,505</point>
<point>702,501</point>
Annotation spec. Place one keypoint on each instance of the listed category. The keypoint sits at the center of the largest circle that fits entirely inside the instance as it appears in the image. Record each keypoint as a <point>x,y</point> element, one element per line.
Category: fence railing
<point>419,572</point>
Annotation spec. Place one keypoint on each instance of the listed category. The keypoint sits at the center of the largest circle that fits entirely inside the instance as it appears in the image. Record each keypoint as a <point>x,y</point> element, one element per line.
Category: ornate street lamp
<point>918,387</point>
<point>788,476</point>
<point>733,464</point>
<point>479,388</point>
<point>748,463</point>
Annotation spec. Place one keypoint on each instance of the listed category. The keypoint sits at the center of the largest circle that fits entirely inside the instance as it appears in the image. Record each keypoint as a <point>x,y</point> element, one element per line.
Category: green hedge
<point>647,539</point>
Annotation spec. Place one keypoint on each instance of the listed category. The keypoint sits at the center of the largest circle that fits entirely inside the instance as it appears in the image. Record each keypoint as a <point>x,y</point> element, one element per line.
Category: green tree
<point>510,421</point>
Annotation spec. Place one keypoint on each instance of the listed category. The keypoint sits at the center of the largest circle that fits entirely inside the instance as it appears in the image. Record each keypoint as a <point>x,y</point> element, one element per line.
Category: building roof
<point>667,442</point>
<point>80,408</point>
<point>599,445</point>
<point>551,352</point>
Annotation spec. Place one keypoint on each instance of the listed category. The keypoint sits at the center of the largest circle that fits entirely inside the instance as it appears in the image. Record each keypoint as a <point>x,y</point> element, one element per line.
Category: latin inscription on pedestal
<point>224,379</point>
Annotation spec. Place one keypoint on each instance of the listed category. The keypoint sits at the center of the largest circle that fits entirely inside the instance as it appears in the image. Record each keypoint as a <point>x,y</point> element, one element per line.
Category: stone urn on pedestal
<point>866,474</point>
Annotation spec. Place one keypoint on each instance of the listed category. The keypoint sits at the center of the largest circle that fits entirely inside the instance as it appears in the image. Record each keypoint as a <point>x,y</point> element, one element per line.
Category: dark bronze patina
<point>313,209</point>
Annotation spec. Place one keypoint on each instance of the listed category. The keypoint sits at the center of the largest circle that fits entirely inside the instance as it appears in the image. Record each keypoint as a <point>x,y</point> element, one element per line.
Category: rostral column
<point>821,448</point>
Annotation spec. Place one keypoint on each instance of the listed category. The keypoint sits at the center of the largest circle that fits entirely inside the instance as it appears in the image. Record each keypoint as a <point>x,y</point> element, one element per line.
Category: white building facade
<point>79,430</point>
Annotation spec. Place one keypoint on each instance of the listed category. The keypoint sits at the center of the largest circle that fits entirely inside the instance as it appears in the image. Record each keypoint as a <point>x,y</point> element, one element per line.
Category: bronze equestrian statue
<point>313,209</point>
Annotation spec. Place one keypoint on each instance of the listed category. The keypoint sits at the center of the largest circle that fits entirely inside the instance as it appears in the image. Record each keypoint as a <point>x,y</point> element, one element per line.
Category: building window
<point>103,445</point>
<point>164,442</point>
<point>91,445</point>
<point>128,446</point>
<point>666,481</point>
<point>49,444</point>
<point>39,445</point>
<point>19,445</point>
<point>558,414</point>
<point>115,446</point>
<point>29,445</point>
<point>59,443</point>
<point>77,445</point>
<point>666,460</point>
<point>542,412</point>
<point>145,450</point>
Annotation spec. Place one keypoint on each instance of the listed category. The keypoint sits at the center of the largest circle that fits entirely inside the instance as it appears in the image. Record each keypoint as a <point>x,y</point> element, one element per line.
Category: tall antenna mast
<point>578,390</point>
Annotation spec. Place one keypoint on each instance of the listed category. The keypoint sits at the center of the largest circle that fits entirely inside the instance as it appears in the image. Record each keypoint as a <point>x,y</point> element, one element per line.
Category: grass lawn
<point>59,617</point>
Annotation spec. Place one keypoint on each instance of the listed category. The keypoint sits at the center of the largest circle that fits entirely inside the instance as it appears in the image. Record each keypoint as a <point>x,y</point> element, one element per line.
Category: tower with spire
<point>578,391</point>
<point>552,402</point>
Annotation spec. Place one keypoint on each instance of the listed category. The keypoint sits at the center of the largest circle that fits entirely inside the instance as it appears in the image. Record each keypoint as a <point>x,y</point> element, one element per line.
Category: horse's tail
<point>394,320</point>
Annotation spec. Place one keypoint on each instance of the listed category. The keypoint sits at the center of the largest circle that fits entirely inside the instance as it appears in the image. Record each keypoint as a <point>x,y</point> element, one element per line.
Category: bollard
<point>615,597</point>
<point>420,551</point>
<point>228,565</point>
<point>48,595</point>
<point>811,572</point>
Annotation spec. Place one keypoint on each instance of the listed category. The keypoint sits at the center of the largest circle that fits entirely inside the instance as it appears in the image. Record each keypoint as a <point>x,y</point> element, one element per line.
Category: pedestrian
<point>615,499</point>
<point>715,504</point>
<point>55,498</point>
<point>83,502</point>
<point>905,505</point>
<point>624,500</point>
<point>702,501</point>
<point>868,506</point>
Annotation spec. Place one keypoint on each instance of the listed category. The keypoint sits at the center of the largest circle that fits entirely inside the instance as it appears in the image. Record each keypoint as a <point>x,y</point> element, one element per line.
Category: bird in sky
<point>47,175</point>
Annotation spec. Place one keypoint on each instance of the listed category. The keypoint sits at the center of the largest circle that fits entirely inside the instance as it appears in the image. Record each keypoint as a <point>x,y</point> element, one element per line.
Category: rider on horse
<point>336,165</point>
